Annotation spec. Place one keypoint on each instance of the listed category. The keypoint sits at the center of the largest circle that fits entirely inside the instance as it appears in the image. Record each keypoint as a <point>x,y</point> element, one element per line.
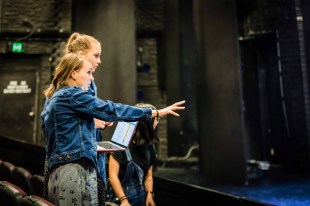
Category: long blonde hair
<point>80,43</point>
<point>68,63</point>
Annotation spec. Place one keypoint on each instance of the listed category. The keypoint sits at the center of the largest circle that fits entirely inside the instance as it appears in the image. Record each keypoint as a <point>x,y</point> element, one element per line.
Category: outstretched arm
<point>170,110</point>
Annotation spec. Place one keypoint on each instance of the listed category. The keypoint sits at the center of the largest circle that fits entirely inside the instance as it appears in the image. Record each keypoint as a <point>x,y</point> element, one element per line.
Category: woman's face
<point>84,76</point>
<point>93,55</point>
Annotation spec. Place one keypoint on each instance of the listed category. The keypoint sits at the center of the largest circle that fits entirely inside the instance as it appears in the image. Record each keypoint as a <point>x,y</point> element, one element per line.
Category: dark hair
<point>145,133</point>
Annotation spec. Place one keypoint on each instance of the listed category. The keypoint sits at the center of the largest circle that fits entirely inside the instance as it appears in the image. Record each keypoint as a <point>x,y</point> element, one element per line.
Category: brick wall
<point>43,27</point>
<point>150,22</point>
<point>294,82</point>
<point>46,25</point>
<point>281,20</point>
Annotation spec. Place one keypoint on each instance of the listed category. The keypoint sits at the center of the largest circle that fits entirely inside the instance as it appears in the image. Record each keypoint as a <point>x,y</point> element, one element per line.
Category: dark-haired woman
<point>131,171</point>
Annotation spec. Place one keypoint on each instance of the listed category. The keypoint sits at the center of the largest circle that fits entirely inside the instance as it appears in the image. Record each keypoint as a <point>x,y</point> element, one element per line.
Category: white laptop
<point>121,138</point>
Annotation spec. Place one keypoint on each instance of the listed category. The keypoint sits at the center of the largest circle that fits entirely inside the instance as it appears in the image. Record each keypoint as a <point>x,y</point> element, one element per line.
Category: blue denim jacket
<point>101,158</point>
<point>68,125</point>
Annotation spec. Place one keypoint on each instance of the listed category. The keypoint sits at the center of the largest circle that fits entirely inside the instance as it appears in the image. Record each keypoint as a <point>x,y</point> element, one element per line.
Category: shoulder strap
<point>130,169</point>
<point>128,155</point>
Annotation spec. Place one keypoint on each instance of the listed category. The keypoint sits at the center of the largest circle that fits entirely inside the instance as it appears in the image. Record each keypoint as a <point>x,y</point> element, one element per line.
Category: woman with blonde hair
<point>90,48</point>
<point>69,128</point>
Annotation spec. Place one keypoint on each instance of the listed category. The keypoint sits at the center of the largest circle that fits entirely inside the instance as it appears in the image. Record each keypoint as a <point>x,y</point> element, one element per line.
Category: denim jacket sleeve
<point>84,103</point>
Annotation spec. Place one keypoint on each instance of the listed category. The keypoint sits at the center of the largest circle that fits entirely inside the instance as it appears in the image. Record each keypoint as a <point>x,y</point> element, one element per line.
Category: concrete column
<point>220,119</point>
<point>180,67</point>
<point>113,23</point>
<point>173,73</point>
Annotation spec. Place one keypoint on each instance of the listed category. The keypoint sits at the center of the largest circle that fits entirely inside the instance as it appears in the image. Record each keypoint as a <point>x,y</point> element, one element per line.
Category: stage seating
<point>168,192</point>
<point>33,200</point>
<point>10,194</point>
<point>22,178</point>
<point>37,184</point>
<point>6,169</point>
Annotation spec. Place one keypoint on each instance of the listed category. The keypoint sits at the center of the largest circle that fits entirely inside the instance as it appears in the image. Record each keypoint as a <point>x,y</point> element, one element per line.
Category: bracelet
<point>122,198</point>
<point>150,192</point>
<point>157,114</point>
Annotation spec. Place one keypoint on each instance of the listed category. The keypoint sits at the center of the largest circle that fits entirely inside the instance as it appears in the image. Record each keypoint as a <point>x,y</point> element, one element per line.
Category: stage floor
<point>275,186</point>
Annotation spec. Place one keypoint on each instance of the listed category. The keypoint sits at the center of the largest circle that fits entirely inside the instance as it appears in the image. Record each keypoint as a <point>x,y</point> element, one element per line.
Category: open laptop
<point>121,138</point>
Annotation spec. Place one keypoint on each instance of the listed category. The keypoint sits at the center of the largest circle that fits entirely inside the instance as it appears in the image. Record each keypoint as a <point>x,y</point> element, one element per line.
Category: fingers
<point>179,103</point>
<point>174,114</point>
<point>109,124</point>
<point>171,109</point>
<point>178,108</point>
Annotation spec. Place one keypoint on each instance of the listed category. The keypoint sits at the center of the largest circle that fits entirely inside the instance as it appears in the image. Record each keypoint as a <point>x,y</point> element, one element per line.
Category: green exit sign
<point>17,47</point>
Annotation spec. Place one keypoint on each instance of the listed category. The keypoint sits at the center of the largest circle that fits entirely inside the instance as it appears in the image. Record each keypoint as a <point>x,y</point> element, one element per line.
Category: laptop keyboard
<point>107,145</point>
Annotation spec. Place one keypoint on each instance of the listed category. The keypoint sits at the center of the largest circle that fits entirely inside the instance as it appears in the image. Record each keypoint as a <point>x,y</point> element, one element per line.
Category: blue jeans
<point>132,184</point>
<point>135,193</point>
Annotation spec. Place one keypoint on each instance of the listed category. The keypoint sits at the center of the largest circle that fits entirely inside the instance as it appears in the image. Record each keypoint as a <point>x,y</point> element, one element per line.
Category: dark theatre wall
<point>41,29</point>
<point>242,66</point>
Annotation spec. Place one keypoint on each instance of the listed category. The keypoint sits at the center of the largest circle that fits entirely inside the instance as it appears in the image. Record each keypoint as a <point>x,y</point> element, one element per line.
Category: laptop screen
<point>124,132</point>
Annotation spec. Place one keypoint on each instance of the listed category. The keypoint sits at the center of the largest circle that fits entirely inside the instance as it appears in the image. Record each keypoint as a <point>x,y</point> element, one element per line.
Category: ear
<point>74,75</point>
